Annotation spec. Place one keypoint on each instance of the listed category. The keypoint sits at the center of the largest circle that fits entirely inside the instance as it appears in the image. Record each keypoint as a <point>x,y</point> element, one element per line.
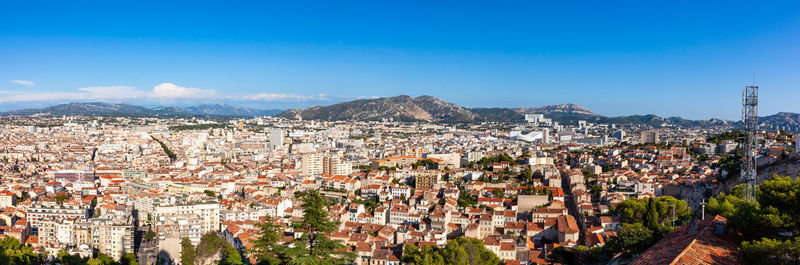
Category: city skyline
<point>399,133</point>
<point>684,59</point>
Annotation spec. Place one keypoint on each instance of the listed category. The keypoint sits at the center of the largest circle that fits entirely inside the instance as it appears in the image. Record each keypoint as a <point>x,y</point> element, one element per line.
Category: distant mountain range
<point>400,108</point>
<point>107,109</point>
<point>431,109</point>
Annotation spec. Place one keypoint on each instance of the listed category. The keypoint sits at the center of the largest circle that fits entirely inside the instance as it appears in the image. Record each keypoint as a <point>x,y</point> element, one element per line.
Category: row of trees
<point>12,252</point>
<point>64,258</point>
<point>644,222</point>
<point>313,247</point>
<point>461,251</point>
<point>427,163</point>
<point>767,224</point>
<point>487,162</point>
<point>172,156</point>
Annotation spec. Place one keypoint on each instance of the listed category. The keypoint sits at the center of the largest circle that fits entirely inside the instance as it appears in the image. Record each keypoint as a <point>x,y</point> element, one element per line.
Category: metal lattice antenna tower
<point>750,122</point>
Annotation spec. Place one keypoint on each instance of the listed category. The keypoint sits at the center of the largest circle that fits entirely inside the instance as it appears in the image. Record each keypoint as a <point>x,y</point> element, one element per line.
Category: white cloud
<point>23,82</point>
<point>171,91</point>
<point>164,93</point>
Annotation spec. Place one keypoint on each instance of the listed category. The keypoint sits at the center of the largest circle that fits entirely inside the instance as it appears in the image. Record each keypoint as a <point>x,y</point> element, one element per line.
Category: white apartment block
<point>38,213</point>
<point>7,198</point>
<point>312,163</point>
<point>208,213</point>
<point>114,237</point>
<point>333,165</point>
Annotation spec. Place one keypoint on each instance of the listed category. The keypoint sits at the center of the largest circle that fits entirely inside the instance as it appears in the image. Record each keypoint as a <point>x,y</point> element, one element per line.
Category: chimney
<point>719,229</point>
<point>692,226</point>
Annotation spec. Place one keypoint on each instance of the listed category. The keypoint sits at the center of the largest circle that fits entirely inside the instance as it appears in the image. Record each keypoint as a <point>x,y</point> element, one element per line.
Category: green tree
<point>427,255</point>
<point>771,251</point>
<point>526,175</point>
<point>210,245</point>
<point>187,252</point>
<point>25,196</point>
<point>61,197</point>
<point>465,199</point>
<point>651,214</point>
<point>266,248</point>
<point>782,194</point>
<point>65,258</point>
<point>763,218</point>
<point>595,189</point>
<point>634,210</point>
<point>774,213</point>
<point>314,246</point>
<point>12,252</point>
<point>95,262</point>
<point>427,163</point>
<point>128,259</point>
<point>460,251</point>
<point>101,259</point>
<point>631,239</point>
<point>498,193</point>
<point>232,256</point>
<point>150,234</point>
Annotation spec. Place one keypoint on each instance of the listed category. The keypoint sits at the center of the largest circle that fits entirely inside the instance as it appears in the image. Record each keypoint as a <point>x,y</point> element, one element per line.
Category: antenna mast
<point>750,123</point>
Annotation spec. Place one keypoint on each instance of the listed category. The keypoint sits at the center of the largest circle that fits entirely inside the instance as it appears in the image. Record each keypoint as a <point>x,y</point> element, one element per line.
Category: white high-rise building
<point>649,137</point>
<point>797,143</point>
<point>333,165</point>
<point>207,214</point>
<point>275,139</point>
<point>312,163</point>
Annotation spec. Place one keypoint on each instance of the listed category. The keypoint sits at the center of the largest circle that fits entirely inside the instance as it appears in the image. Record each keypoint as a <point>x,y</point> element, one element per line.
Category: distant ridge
<point>432,109</point>
<point>398,108</point>
<point>563,108</point>
<point>123,109</point>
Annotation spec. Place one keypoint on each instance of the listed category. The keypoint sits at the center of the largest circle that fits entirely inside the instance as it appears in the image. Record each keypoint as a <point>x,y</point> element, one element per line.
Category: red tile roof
<point>700,247</point>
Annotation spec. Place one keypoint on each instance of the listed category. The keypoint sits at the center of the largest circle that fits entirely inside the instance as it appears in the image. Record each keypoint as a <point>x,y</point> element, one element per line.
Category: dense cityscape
<point>399,132</point>
<point>269,190</point>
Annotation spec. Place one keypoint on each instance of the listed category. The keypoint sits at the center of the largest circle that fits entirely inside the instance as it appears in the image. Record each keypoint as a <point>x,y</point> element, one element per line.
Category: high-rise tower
<point>275,139</point>
<point>750,122</point>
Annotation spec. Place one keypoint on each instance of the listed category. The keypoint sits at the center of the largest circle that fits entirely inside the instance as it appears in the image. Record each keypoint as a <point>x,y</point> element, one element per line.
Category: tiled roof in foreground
<point>703,246</point>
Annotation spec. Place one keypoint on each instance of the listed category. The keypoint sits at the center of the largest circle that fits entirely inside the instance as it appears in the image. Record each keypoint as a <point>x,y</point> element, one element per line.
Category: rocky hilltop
<point>563,108</point>
<point>432,109</point>
<point>400,108</point>
<point>782,119</point>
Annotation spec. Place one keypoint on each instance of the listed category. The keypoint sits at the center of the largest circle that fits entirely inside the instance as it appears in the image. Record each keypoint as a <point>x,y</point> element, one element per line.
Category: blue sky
<point>671,58</point>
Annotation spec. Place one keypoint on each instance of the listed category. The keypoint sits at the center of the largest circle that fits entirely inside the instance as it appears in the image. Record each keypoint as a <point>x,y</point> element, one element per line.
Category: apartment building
<point>7,198</point>
<point>426,178</point>
<point>312,163</point>
<point>38,213</point>
<point>334,165</point>
<point>208,213</point>
<point>113,236</point>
